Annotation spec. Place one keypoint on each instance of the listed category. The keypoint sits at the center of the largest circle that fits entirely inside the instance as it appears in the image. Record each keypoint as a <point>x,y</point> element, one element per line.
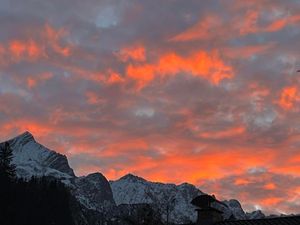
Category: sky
<point>205,92</point>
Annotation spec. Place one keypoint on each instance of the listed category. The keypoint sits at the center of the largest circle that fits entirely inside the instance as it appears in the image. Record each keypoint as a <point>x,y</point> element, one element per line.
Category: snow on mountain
<point>33,159</point>
<point>94,192</point>
<point>176,199</point>
<point>234,209</point>
<point>255,215</point>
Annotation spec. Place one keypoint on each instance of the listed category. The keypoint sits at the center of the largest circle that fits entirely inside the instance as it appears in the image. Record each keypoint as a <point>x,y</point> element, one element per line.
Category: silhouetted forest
<point>39,201</point>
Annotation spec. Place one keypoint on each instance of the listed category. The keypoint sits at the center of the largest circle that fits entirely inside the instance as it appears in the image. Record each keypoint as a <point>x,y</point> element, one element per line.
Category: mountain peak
<point>131,177</point>
<point>34,159</point>
<point>96,175</point>
<point>131,189</point>
<point>26,136</point>
<point>22,139</point>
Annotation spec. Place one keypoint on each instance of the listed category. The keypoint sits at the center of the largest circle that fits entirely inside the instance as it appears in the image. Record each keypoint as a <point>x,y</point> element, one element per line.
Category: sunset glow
<point>204,92</point>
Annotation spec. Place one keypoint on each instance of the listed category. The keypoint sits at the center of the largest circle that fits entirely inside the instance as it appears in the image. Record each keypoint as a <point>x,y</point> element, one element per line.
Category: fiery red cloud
<point>206,93</point>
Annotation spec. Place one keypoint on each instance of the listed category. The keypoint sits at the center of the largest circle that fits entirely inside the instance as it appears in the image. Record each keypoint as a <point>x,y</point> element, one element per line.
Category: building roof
<point>288,220</point>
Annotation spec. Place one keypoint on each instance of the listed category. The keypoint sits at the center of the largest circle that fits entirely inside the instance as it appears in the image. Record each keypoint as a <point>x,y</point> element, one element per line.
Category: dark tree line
<point>38,201</point>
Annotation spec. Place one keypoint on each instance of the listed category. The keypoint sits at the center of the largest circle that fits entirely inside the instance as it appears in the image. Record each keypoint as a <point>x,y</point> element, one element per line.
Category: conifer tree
<point>7,169</point>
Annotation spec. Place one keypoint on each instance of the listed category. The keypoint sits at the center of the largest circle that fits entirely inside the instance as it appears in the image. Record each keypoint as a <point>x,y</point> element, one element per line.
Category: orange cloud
<point>201,64</point>
<point>93,98</point>
<point>285,168</point>
<point>34,51</point>
<point>195,168</point>
<point>246,52</point>
<point>114,78</point>
<point>208,165</point>
<point>249,23</point>
<point>142,74</point>
<point>29,49</point>
<point>270,186</point>
<point>127,145</point>
<point>36,128</point>
<point>212,27</point>
<point>25,50</point>
<point>205,29</point>
<point>241,181</point>
<point>271,201</point>
<point>54,38</point>
<point>289,96</point>
<point>135,53</point>
<point>231,132</point>
<point>17,48</point>
<point>274,26</point>
<point>281,23</point>
<point>32,81</point>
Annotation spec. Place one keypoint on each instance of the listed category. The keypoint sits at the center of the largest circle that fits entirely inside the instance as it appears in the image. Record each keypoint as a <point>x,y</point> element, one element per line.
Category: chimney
<point>207,215</point>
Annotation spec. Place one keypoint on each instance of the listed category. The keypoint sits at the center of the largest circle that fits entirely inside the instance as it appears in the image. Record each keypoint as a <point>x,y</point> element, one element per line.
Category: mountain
<point>168,198</point>
<point>94,192</point>
<point>97,198</point>
<point>256,215</point>
<point>172,200</point>
<point>33,159</point>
